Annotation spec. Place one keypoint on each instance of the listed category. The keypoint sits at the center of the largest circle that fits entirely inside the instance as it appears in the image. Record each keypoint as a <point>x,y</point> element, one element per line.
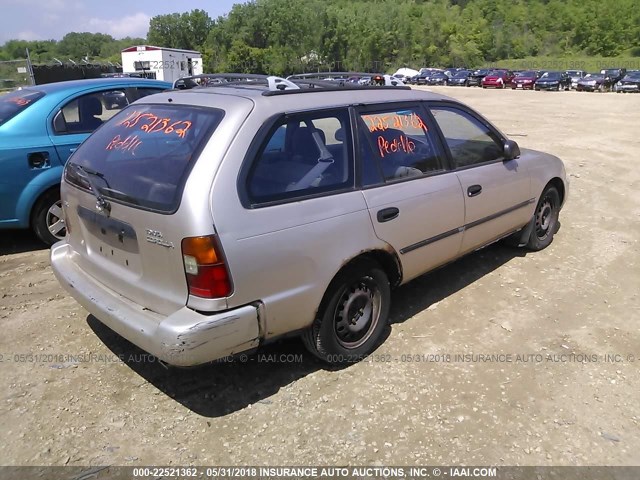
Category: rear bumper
<point>184,338</point>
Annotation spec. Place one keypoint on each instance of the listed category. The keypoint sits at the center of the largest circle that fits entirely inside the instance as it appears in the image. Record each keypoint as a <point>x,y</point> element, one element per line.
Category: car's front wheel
<point>47,220</point>
<point>353,315</point>
<point>545,219</point>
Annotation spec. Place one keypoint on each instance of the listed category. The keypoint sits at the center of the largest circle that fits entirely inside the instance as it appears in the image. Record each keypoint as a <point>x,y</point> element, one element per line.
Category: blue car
<point>40,126</point>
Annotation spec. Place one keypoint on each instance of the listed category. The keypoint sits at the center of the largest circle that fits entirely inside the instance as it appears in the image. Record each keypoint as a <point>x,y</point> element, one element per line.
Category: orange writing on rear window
<point>400,144</point>
<point>380,123</point>
<point>129,144</point>
<point>151,123</point>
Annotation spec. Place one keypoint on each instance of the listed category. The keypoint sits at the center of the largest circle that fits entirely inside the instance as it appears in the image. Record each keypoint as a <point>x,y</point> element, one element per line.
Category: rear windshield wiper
<point>102,204</point>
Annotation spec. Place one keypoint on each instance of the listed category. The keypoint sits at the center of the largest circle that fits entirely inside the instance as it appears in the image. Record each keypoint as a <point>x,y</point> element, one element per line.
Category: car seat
<point>88,109</point>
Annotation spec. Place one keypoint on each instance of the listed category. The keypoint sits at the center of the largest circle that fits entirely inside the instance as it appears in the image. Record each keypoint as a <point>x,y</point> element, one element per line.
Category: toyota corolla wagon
<point>207,222</point>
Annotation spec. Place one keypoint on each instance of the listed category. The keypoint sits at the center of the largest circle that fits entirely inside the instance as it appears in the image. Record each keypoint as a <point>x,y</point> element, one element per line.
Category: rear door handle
<point>474,190</point>
<point>387,214</point>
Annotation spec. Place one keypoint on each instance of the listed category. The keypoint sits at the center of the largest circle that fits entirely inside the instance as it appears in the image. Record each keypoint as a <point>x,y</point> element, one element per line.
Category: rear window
<point>13,103</point>
<point>142,156</point>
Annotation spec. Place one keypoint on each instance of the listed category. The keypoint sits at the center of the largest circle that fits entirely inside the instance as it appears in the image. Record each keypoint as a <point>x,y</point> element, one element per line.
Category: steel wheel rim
<point>357,313</point>
<point>545,217</point>
<point>55,220</point>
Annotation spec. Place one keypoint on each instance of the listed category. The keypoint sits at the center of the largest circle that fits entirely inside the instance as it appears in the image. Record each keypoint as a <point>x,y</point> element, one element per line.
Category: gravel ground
<point>551,339</point>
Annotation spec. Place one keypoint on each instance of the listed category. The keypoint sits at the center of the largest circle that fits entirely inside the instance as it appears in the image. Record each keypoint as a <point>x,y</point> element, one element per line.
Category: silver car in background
<point>207,222</point>
<point>575,76</point>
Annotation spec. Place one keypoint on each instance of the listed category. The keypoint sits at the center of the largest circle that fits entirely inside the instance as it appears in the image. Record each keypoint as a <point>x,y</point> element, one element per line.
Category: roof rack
<point>215,79</point>
<point>377,78</point>
<point>305,82</point>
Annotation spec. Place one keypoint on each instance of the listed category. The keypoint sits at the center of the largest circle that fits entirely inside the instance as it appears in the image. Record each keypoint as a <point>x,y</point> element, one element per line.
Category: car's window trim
<point>359,110</point>
<point>449,104</point>
<point>259,141</point>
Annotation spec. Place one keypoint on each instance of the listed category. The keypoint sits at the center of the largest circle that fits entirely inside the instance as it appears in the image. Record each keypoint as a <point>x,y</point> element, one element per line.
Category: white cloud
<point>135,25</point>
<point>28,35</point>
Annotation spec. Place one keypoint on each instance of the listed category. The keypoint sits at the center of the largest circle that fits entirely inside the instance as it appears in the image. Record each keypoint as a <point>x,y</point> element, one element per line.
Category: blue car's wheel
<point>47,220</point>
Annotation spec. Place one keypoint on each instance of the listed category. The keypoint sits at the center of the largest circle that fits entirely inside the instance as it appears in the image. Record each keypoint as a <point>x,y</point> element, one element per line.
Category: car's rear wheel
<point>353,315</point>
<point>545,219</point>
<point>47,220</point>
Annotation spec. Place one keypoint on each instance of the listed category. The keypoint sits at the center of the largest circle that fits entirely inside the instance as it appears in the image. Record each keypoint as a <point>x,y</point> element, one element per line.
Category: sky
<point>52,19</point>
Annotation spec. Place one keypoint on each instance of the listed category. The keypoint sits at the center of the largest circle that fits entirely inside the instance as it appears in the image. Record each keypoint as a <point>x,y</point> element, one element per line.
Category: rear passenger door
<point>415,203</point>
<point>497,192</point>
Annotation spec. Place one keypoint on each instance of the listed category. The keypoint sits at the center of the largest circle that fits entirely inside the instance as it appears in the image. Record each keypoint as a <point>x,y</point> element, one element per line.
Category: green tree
<point>187,30</point>
<point>82,45</point>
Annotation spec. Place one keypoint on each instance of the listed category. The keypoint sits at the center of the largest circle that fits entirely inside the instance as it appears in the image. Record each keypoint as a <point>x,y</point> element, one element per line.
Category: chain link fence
<point>13,74</point>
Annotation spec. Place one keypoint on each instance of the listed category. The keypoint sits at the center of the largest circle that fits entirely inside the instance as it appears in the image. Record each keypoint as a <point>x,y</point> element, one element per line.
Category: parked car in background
<point>591,82</point>
<point>575,75</point>
<point>553,81</point>
<point>475,79</point>
<point>497,79</point>
<point>425,75</point>
<point>630,83</point>
<point>274,209</point>
<point>438,78</point>
<point>524,80</point>
<point>405,74</point>
<point>40,127</point>
<point>461,78</point>
<point>612,76</point>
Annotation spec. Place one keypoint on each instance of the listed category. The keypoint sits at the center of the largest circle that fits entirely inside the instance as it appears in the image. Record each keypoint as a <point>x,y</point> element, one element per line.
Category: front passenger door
<point>497,192</point>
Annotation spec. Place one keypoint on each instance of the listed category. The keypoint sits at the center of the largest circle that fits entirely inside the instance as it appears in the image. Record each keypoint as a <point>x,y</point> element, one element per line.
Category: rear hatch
<point>125,201</point>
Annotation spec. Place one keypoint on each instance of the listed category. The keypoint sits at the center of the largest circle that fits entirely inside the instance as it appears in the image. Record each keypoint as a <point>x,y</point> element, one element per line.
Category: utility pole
<point>32,77</point>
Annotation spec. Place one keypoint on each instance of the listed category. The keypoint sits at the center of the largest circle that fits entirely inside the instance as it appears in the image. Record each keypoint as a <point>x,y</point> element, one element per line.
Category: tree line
<point>286,36</point>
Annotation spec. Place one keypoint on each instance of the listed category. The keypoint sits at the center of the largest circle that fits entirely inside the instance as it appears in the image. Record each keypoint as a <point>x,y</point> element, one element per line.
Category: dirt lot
<point>562,325</point>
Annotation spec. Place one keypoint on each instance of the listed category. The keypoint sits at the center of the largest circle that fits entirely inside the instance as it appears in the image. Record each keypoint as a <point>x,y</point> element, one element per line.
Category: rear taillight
<point>205,268</point>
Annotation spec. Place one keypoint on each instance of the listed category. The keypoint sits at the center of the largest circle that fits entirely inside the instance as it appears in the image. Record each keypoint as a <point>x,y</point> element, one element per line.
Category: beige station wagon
<point>207,222</point>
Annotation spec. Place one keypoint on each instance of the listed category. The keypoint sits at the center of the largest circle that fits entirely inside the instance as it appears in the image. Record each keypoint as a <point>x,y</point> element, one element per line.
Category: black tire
<point>353,315</point>
<point>46,218</point>
<point>546,219</point>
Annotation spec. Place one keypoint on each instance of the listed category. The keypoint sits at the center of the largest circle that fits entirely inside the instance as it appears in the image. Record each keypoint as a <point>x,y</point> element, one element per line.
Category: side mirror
<point>511,150</point>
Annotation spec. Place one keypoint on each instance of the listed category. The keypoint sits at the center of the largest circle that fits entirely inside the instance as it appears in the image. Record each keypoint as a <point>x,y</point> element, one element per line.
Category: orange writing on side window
<point>412,120</point>
<point>380,123</point>
<point>377,123</point>
<point>400,144</point>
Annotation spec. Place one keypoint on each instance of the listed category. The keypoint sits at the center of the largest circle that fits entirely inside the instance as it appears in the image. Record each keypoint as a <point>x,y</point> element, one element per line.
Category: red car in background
<point>524,80</point>
<point>498,79</point>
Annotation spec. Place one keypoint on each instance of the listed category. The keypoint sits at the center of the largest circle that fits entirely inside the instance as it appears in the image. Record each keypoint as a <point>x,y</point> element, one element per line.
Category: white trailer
<point>168,64</point>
